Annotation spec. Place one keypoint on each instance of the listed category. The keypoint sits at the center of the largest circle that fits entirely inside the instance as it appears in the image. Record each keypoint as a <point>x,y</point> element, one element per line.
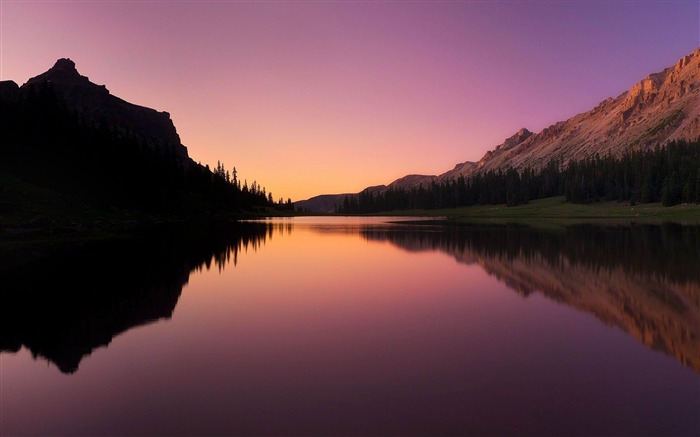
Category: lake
<point>358,326</point>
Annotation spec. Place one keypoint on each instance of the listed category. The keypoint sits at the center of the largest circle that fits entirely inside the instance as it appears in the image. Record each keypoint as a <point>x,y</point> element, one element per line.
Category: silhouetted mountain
<point>662,107</point>
<point>67,134</point>
<point>95,105</point>
<point>69,302</point>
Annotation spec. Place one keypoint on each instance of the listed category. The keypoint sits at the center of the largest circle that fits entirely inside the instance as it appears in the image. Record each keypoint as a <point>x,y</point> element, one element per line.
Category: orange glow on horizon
<point>313,98</point>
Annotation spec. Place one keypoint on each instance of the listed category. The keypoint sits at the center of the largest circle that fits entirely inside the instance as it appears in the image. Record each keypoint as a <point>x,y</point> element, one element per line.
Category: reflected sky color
<point>331,97</point>
<point>320,331</point>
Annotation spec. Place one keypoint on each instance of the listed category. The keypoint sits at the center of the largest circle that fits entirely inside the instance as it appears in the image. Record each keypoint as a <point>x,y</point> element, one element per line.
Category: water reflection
<point>64,306</point>
<point>643,279</point>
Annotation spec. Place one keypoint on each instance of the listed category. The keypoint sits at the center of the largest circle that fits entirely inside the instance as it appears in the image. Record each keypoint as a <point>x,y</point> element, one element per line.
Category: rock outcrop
<point>95,105</point>
<point>661,107</point>
<point>9,90</point>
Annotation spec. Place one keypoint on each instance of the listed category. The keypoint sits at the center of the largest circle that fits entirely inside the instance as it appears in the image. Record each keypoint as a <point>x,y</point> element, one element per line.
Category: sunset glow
<point>310,98</point>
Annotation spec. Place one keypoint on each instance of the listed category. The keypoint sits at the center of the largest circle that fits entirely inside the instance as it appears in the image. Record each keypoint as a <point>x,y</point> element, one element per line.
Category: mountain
<point>325,203</point>
<point>94,104</point>
<point>64,135</point>
<point>661,107</point>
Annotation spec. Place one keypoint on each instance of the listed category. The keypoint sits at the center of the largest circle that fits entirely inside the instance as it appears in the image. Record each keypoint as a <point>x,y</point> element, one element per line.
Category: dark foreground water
<point>346,326</point>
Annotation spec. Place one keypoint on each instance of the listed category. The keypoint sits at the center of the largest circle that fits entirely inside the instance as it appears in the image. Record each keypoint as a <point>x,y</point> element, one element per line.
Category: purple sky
<point>328,97</point>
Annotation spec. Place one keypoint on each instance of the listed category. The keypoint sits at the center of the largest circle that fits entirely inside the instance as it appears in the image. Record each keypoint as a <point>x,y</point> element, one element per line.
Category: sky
<point>317,97</point>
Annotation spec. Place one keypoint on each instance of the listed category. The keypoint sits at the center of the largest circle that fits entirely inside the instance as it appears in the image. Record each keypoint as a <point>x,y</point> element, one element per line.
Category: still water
<point>349,326</point>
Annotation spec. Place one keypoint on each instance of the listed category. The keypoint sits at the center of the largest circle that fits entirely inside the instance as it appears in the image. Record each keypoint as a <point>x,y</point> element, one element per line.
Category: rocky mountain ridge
<point>663,106</point>
<point>95,105</point>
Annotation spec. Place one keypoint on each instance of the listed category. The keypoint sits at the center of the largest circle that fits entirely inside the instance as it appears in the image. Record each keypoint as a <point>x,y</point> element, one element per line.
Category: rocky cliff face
<point>9,90</point>
<point>95,105</point>
<point>661,107</point>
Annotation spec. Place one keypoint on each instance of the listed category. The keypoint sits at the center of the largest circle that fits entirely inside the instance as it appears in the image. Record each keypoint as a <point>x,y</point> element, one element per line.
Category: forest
<point>46,143</point>
<point>668,174</point>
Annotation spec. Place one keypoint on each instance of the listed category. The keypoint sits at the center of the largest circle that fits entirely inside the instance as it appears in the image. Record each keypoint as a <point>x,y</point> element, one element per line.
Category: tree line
<point>668,174</point>
<point>45,142</point>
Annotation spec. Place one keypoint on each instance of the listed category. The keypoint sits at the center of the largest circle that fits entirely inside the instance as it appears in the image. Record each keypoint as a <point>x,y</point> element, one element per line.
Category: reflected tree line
<point>671,250</point>
<point>641,278</point>
<point>63,305</point>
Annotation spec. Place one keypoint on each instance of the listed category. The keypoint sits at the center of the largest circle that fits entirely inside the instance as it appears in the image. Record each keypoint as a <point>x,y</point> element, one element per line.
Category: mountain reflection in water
<point>62,307</point>
<point>643,279</point>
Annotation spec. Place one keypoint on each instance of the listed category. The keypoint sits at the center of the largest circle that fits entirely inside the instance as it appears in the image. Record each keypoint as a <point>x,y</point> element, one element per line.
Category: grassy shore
<point>32,214</point>
<point>557,208</point>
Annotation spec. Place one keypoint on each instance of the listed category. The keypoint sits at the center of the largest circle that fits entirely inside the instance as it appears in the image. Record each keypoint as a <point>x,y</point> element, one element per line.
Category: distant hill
<point>325,203</point>
<point>63,133</point>
<point>662,107</point>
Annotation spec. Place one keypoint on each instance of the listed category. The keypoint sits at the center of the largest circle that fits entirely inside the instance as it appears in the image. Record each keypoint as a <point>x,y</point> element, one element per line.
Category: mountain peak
<point>520,135</point>
<point>95,106</point>
<point>516,139</point>
<point>63,72</point>
<point>65,64</point>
